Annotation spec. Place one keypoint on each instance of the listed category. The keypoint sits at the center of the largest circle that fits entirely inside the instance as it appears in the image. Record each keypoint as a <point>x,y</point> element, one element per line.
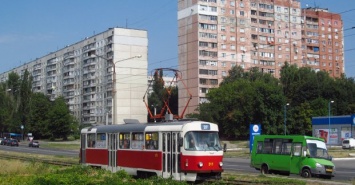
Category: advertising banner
<point>329,137</point>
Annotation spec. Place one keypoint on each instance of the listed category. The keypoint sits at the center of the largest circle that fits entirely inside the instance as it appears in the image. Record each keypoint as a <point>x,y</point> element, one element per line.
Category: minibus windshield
<point>317,149</point>
<point>202,141</point>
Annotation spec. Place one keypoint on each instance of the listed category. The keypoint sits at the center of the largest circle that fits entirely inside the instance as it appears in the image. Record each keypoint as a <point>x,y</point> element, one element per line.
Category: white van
<point>349,143</point>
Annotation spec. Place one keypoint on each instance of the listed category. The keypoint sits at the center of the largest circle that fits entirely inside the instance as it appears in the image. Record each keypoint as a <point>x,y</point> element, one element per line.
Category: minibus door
<point>296,158</point>
<point>112,151</point>
<point>171,155</point>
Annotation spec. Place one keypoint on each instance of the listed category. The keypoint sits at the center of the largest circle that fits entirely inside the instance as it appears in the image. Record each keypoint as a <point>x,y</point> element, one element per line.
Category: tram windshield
<point>202,141</point>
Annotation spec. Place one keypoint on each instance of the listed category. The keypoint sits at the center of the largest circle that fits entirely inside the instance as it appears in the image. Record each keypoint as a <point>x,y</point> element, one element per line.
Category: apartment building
<point>215,35</point>
<point>102,78</point>
<point>322,41</point>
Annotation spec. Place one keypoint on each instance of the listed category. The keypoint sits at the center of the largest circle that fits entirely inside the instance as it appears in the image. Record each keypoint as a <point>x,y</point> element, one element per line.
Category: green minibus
<point>291,154</point>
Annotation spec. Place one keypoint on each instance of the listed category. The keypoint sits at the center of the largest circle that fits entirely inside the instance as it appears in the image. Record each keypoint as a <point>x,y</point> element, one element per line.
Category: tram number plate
<point>210,164</point>
<point>205,127</point>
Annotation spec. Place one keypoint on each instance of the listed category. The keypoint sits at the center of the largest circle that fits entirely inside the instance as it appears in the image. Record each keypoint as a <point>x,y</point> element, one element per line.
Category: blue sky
<point>30,29</point>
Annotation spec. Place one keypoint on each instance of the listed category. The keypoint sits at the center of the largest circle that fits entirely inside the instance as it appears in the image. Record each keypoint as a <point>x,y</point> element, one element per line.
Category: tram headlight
<point>221,164</point>
<point>319,165</point>
<point>200,164</point>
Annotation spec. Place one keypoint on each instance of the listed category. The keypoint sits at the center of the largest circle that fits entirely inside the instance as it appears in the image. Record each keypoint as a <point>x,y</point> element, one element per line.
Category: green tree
<point>39,116</point>
<point>5,105</point>
<point>13,89</point>
<point>25,93</point>
<point>245,98</point>
<point>61,122</point>
<point>160,94</point>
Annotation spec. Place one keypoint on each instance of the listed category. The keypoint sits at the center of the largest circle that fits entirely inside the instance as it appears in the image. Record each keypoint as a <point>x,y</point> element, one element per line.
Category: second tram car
<point>182,150</point>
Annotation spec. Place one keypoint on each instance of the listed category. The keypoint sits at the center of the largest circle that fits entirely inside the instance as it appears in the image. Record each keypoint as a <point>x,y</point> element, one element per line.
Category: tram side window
<point>151,140</point>
<point>91,141</point>
<point>137,140</point>
<point>100,140</point>
<point>125,140</point>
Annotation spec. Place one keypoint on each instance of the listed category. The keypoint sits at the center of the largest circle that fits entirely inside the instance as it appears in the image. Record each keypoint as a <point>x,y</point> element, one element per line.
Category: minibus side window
<point>286,147</point>
<point>277,146</point>
<point>268,146</point>
<point>297,149</point>
<point>259,147</point>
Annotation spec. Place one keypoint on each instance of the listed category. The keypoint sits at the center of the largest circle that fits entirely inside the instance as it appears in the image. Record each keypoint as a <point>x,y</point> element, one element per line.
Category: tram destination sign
<point>205,126</point>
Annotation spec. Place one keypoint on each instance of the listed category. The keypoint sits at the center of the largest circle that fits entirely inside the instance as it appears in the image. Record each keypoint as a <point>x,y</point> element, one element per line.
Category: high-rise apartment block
<point>102,78</point>
<point>215,35</point>
<point>322,41</point>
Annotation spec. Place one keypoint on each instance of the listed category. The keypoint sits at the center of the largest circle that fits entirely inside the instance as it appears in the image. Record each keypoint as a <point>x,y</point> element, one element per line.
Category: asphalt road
<point>42,151</point>
<point>345,168</point>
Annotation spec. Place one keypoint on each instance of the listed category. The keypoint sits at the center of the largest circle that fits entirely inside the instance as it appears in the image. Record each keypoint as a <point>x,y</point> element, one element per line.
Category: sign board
<point>255,129</point>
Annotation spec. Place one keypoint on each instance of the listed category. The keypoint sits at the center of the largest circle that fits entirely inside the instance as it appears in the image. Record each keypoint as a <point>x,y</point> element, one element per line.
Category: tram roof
<point>133,127</point>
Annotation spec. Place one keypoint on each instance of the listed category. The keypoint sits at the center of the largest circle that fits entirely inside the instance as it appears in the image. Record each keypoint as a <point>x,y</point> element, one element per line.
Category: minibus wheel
<point>306,173</point>
<point>264,169</point>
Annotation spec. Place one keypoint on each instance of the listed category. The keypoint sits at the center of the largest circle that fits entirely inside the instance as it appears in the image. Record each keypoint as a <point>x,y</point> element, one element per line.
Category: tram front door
<point>112,151</point>
<point>171,155</point>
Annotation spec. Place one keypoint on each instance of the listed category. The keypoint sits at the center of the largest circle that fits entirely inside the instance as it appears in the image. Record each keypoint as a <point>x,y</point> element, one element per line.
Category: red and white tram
<point>183,150</point>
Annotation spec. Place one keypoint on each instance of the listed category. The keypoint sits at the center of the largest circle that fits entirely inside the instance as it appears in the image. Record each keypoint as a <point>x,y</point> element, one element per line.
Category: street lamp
<point>107,112</point>
<point>329,117</point>
<point>285,109</point>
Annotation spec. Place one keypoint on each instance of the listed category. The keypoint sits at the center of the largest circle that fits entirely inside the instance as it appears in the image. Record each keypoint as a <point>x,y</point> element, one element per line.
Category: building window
<point>232,3</point>
<point>224,73</point>
<point>203,90</point>
<point>223,28</point>
<point>213,81</point>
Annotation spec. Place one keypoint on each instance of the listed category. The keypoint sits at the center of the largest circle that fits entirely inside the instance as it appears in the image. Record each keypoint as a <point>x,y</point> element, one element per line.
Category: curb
<point>341,159</point>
